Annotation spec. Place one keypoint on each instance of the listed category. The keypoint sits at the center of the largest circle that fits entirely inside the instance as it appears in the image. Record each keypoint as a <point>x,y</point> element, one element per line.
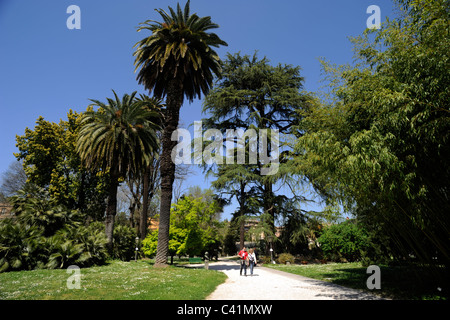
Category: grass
<point>116,281</point>
<point>398,282</point>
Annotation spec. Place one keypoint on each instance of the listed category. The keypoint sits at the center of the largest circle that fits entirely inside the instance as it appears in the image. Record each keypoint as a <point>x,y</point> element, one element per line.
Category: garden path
<point>270,284</point>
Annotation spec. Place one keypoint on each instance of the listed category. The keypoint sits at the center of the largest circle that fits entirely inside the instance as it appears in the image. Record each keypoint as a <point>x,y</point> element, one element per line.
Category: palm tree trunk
<point>167,169</point>
<point>111,209</point>
<point>144,212</point>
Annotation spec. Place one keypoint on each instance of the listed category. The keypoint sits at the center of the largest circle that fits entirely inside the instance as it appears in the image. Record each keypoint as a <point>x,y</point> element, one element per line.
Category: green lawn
<point>396,282</point>
<point>115,281</point>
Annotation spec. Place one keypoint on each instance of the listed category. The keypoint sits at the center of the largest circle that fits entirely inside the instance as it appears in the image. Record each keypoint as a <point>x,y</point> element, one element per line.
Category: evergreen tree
<point>253,94</point>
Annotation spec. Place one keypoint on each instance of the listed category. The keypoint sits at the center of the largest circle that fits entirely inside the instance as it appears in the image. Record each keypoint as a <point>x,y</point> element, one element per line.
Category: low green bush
<point>124,243</point>
<point>285,257</point>
<point>344,242</point>
<point>44,234</point>
<point>265,259</point>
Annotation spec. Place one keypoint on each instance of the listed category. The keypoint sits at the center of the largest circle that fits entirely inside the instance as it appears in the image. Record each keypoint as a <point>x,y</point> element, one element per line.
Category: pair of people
<point>247,259</point>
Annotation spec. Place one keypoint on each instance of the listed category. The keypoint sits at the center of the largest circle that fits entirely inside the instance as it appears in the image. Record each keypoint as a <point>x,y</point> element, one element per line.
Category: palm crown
<point>179,48</point>
<point>120,135</point>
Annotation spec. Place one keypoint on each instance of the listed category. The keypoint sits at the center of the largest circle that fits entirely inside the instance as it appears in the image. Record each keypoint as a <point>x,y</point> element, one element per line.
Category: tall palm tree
<point>177,61</point>
<point>120,137</point>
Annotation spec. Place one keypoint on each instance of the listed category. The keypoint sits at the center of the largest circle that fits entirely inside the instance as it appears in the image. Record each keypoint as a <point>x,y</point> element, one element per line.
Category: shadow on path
<point>222,267</point>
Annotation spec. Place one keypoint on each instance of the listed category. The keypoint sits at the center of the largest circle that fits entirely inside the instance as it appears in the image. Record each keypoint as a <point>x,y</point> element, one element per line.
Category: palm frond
<point>121,134</point>
<point>179,48</point>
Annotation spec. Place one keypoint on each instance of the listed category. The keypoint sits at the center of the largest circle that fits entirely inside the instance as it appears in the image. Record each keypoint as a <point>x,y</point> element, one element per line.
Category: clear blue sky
<point>47,69</point>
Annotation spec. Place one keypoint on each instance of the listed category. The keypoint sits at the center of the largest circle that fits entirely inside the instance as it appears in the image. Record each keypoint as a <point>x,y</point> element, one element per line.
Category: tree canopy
<point>194,226</point>
<point>254,95</point>
<point>50,161</point>
<point>380,143</point>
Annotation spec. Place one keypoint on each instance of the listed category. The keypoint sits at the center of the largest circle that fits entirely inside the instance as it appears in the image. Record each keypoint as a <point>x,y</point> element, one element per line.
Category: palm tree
<point>176,61</point>
<point>120,137</point>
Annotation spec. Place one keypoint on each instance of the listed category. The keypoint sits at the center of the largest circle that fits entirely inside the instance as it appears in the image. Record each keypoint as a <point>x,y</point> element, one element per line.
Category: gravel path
<point>269,284</point>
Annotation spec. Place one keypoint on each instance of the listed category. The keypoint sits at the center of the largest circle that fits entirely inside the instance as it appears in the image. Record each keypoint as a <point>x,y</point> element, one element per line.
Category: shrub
<point>81,246</point>
<point>149,244</point>
<point>65,253</point>
<point>34,207</point>
<point>265,259</point>
<point>285,257</point>
<point>344,241</point>
<point>47,235</point>
<point>124,243</point>
<point>20,248</point>
<point>94,242</point>
<point>26,247</point>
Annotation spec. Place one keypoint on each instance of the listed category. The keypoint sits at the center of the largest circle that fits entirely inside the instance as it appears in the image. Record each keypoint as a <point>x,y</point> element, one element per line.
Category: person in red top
<point>244,256</point>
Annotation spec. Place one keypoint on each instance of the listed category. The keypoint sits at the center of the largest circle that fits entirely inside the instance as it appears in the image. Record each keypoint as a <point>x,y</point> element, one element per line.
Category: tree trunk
<point>132,209</point>
<point>167,169</point>
<point>268,204</point>
<point>242,233</point>
<point>144,212</point>
<point>111,209</point>
<point>241,218</point>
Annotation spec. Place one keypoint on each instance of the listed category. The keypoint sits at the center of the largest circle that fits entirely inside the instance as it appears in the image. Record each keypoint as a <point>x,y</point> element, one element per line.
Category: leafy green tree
<point>41,151</point>
<point>197,216</point>
<point>293,238</point>
<point>193,226</point>
<point>235,181</point>
<point>380,143</point>
<point>50,161</point>
<point>177,238</point>
<point>119,138</point>
<point>346,240</point>
<point>149,244</point>
<point>177,60</point>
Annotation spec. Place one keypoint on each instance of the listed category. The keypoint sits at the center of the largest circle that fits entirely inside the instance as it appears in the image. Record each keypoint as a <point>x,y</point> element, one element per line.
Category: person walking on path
<point>244,259</point>
<point>251,260</point>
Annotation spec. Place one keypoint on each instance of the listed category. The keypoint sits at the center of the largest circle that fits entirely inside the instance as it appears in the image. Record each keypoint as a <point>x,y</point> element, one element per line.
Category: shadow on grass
<point>397,282</point>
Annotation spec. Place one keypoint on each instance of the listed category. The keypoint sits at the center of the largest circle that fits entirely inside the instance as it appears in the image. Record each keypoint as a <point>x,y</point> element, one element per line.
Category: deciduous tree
<point>381,143</point>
